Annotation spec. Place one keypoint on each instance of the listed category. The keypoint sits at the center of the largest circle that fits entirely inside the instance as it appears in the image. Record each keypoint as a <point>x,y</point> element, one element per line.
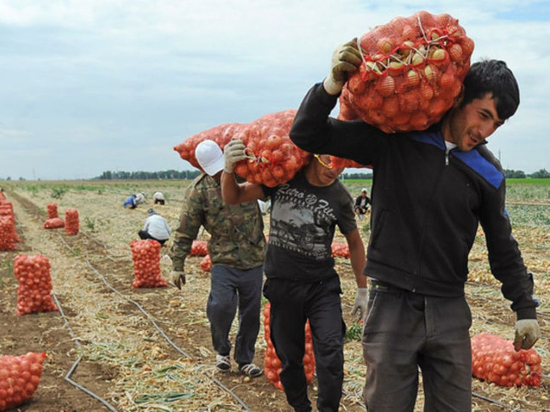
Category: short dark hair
<point>493,77</point>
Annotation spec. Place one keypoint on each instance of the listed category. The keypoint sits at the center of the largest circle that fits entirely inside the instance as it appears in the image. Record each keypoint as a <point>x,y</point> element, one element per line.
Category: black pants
<point>159,201</point>
<point>292,304</point>
<point>145,235</point>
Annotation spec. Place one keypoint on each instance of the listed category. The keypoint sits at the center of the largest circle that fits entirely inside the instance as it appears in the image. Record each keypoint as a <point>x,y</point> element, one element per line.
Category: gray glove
<point>233,152</point>
<point>360,305</point>
<point>527,333</point>
<point>346,59</point>
<point>178,278</point>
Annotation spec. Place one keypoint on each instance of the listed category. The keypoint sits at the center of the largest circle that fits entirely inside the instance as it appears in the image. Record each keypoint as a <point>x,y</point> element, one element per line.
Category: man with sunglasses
<point>302,282</point>
<point>431,190</point>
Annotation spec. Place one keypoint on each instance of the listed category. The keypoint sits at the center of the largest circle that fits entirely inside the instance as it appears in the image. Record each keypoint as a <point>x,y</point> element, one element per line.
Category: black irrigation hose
<point>147,315</point>
<point>73,368</point>
<point>477,395</point>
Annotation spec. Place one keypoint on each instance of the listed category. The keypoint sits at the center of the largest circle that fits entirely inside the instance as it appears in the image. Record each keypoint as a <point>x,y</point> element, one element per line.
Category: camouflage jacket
<point>237,231</point>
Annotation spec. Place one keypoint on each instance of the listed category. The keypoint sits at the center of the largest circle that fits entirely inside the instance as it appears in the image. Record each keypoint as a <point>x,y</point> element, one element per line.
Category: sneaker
<point>251,370</point>
<point>223,364</point>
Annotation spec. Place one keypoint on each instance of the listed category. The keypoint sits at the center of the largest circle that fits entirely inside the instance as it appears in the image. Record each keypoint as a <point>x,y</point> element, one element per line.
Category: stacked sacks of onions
<point>146,257</point>
<point>35,284</point>
<point>412,72</point>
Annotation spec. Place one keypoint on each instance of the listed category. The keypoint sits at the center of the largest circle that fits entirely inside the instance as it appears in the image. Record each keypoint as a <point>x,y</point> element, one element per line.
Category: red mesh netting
<point>35,284</point>
<point>146,256</point>
<point>72,224</point>
<point>19,378</point>
<point>54,223</point>
<point>495,360</point>
<point>413,70</point>
<point>52,210</point>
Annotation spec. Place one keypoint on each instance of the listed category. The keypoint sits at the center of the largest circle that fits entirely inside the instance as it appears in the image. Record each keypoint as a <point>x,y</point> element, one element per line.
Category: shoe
<point>251,370</point>
<point>223,364</point>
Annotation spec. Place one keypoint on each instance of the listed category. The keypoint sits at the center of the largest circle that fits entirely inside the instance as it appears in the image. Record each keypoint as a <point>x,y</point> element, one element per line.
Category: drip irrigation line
<point>147,315</point>
<point>477,395</point>
<point>225,388</point>
<point>75,365</point>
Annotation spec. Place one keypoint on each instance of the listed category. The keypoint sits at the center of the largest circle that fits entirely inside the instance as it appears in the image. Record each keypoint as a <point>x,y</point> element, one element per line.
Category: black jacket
<point>426,204</point>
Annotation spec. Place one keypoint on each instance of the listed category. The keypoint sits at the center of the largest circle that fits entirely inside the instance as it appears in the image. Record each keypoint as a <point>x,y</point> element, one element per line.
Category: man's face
<point>470,125</point>
<point>326,173</point>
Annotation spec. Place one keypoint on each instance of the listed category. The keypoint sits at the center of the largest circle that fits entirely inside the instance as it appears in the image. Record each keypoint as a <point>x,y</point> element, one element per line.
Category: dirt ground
<point>150,349</point>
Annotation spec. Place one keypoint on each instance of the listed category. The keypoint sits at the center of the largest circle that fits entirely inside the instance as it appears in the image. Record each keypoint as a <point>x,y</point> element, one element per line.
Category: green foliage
<point>59,192</point>
<point>89,223</point>
<point>141,175</point>
<point>353,333</point>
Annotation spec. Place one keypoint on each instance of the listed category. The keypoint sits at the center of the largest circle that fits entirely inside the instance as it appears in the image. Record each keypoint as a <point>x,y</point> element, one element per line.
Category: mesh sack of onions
<point>7,231</point>
<point>35,284</point>
<point>199,248</point>
<point>54,223</point>
<point>495,360</point>
<point>72,224</point>
<point>206,263</point>
<point>52,210</point>
<point>413,69</point>
<point>273,158</point>
<point>340,250</point>
<point>146,257</point>
<point>6,210</point>
<point>272,362</point>
<point>19,378</point>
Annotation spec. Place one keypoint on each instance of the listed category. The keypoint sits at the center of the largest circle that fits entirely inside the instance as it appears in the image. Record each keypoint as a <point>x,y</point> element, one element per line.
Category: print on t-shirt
<point>302,223</point>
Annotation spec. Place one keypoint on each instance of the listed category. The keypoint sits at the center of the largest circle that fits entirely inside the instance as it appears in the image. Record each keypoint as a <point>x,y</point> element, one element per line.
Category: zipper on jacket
<point>447,157</point>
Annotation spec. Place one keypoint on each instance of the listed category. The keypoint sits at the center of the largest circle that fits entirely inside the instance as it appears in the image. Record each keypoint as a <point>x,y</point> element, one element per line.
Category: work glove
<point>346,59</point>
<point>527,333</point>
<point>233,152</point>
<point>178,278</point>
<point>360,305</point>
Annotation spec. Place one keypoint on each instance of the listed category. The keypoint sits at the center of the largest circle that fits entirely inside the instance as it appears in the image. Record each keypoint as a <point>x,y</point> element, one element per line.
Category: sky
<point>88,86</point>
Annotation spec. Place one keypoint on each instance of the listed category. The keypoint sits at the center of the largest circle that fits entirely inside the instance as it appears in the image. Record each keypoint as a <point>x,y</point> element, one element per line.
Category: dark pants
<point>231,288</point>
<point>405,331</point>
<point>292,304</point>
<point>159,201</point>
<point>145,235</point>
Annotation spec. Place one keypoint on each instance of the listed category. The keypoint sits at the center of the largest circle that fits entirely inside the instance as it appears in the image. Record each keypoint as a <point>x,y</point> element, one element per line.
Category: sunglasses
<point>325,164</point>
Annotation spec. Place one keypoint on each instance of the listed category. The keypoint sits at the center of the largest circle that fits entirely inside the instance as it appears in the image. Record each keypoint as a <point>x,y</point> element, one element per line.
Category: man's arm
<point>357,257</point>
<point>232,192</point>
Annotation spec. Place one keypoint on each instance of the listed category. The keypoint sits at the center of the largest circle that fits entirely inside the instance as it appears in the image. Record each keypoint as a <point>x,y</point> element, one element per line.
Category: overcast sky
<point>90,86</point>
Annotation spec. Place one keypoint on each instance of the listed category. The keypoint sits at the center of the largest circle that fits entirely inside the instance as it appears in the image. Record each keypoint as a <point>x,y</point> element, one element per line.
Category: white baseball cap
<point>210,157</point>
<point>364,189</point>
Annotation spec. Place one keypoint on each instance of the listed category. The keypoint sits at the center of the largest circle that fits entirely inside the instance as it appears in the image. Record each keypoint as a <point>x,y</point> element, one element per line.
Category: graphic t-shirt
<point>303,220</point>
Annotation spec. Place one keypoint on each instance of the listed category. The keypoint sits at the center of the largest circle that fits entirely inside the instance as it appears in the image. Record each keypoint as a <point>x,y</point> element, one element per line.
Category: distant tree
<point>142,175</point>
<point>514,174</point>
<point>541,174</point>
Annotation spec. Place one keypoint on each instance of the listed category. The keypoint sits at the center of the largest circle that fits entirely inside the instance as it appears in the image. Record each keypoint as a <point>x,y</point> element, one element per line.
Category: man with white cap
<point>236,247</point>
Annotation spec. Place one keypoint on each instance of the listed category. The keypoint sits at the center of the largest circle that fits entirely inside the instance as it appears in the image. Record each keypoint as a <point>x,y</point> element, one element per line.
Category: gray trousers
<point>405,331</point>
<point>230,289</point>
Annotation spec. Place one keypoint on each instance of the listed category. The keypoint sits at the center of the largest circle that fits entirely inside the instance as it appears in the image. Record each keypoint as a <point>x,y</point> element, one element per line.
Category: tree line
<point>191,174</point>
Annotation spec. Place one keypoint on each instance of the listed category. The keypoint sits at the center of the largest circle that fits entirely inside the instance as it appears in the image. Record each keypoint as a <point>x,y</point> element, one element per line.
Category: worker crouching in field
<point>156,227</point>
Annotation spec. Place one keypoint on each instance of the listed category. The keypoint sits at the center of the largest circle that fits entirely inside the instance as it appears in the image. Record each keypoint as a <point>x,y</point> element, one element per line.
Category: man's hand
<point>360,305</point>
<point>527,333</point>
<point>233,152</point>
<point>178,278</point>
<point>346,59</point>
